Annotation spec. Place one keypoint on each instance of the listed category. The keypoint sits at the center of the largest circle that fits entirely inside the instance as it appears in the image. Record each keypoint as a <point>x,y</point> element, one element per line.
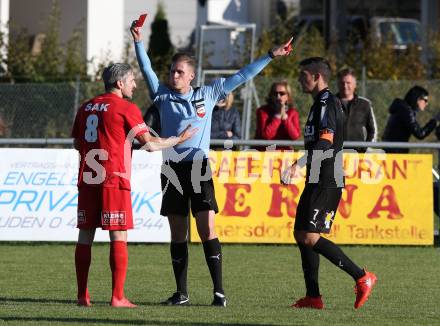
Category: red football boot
<point>363,288</point>
<point>309,302</point>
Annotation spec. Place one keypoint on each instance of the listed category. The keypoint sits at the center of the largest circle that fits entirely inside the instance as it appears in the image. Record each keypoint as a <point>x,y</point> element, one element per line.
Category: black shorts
<point>317,208</point>
<point>187,183</point>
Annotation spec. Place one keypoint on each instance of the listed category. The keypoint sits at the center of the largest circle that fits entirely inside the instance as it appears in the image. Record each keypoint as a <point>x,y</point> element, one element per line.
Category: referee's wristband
<point>270,53</point>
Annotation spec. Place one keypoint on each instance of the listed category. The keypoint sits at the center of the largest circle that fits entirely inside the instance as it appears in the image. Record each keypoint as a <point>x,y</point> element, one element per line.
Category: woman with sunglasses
<point>278,119</point>
<point>402,121</point>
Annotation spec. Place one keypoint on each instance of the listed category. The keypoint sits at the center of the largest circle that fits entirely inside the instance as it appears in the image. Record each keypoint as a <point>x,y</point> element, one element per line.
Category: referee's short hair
<point>317,65</point>
<point>184,57</point>
<point>113,73</point>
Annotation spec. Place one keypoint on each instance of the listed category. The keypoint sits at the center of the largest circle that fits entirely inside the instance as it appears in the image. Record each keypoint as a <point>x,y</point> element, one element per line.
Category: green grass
<point>37,287</point>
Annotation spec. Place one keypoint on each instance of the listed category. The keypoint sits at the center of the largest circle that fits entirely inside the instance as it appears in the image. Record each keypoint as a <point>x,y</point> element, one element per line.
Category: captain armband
<point>326,134</point>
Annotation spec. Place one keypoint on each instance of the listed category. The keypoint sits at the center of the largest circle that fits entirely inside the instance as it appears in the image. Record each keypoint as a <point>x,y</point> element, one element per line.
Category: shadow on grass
<point>108,320</point>
<point>63,301</point>
<point>94,302</point>
<point>36,300</point>
<point>118,321</point>
<point>159,304</point>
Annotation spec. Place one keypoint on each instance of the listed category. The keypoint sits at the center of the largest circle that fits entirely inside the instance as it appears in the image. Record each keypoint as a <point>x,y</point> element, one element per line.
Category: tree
<point>53,62</point>
<point>19,61</point>
<point>160,48</point>
<point>308,44</point>
<point>49,62</point>
<point>75,65</point>
<point>382,61</point>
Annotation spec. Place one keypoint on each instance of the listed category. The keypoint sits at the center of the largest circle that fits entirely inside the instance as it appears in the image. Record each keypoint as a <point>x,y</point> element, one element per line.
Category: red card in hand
<point>289,47</point>
<point>141,20</point>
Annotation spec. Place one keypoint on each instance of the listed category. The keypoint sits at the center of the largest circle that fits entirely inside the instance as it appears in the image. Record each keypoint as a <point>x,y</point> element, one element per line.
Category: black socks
<point>179,257</point>
<point>310,265</point>
<point>333,253</point>
<point>213,256</point>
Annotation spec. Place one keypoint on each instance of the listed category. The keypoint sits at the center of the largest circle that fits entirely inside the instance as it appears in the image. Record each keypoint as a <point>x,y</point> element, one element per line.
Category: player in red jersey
<point>103,132</point>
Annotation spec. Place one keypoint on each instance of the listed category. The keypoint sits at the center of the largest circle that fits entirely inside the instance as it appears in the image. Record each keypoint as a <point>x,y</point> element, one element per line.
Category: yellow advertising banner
<point>388,199</point>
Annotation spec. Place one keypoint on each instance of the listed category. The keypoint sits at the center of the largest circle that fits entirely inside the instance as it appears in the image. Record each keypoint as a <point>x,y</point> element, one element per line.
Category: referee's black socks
<point>179,257</point>
<point>213,256</point>
<point>333,253</point>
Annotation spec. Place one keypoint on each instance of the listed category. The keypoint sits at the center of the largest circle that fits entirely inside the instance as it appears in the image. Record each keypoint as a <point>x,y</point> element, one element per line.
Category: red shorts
<point>104,207</point>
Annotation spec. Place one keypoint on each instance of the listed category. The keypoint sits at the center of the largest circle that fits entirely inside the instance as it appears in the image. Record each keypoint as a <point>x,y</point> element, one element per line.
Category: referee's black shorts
<point>187,183</point>
<point>317,208</point>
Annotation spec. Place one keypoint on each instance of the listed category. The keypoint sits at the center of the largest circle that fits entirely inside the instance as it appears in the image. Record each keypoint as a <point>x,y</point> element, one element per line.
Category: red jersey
<point>101,127</point>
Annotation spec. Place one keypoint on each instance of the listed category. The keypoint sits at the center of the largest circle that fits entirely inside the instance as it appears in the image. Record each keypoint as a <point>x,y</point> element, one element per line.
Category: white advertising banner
<point>38,196</point>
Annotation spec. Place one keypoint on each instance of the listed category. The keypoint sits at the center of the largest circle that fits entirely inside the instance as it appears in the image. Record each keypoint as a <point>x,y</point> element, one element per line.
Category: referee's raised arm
<point>144,62</point>
<point>251,70</point>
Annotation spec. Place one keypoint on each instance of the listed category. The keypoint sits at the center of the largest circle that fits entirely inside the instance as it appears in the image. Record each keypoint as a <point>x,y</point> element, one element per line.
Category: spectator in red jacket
<point>278,119</point>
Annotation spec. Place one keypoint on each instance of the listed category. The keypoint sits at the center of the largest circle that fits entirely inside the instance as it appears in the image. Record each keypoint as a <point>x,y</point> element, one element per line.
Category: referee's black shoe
<point>219,300</point>
<point>177,299</point>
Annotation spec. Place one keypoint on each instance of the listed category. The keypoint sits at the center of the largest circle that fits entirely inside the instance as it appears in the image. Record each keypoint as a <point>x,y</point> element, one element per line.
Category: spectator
<point>360,124</point>
<point>278,119</point>
<point>436,182</point>
<point>402,121</point>
<point>3,127</point>
<point>226,122</point>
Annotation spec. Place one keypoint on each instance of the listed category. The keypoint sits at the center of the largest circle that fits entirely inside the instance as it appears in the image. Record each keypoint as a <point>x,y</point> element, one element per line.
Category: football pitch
<point>37,287</point>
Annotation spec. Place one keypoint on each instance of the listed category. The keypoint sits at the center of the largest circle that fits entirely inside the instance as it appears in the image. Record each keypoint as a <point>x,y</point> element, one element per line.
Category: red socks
<point>118,265</point>
<point>83,255</point>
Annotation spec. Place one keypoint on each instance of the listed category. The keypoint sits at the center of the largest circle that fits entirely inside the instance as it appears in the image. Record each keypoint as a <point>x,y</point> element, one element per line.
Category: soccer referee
<point>186,175</point>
